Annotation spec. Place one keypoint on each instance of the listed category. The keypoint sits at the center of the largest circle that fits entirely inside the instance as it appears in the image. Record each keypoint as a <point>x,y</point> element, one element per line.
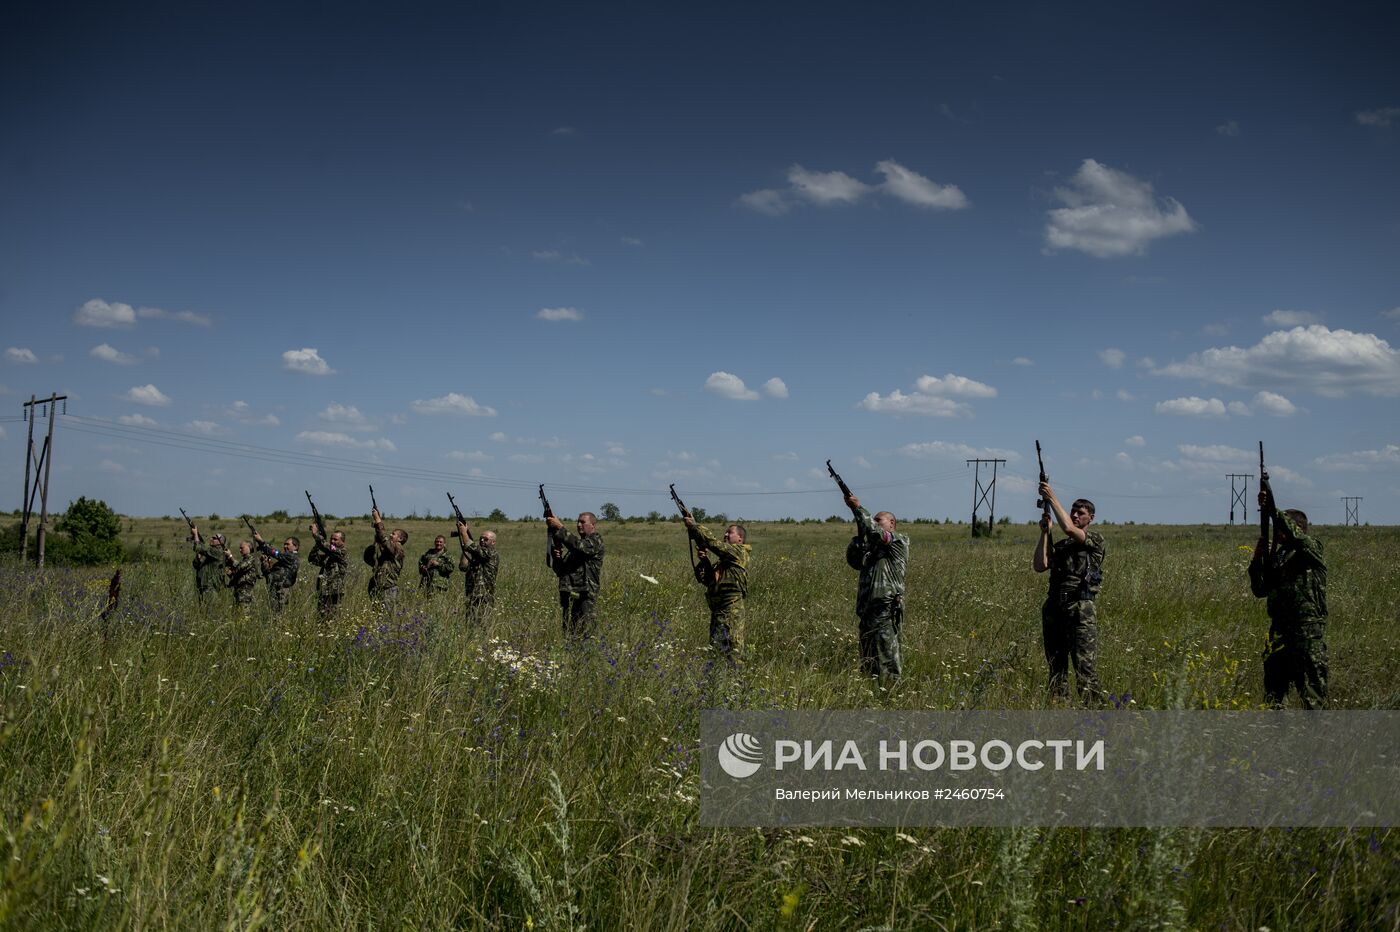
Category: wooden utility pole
<point>45,465</point>
<point>27,500</point>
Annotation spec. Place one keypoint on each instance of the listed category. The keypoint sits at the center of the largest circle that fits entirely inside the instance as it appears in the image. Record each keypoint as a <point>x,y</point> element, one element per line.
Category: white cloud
<point>525,458</point>
<point>1228,128</point>
<point>1136,441</point>
<point>99,313</point>
<point>1239,408</point>
<point>952,384</point>
<point>942,449</point>
<point>766,201</point>
<point>613,448</point>
<point>1216,330</point>
<point>1290,318</point>
<point>208,428</point>
<point>21,355</point>
<point>787,457</point>
<point>1382,117</point>
<point>1274,404</point>
<point>554,255</point>
<point>562,131</point>
<point>1328,362</point>
<point>1123,458</point>
<point>1361,460</point>
<point>1113,358</point>
<point>136,420</point>
<point>147,395</point>
<point>1146,362</point>
<point>331,438</point>
<point>914,188</point>
<point>453,403</point>
<point>554,314</point>
<point>1214,453</point>
<point>1392,314</point>
<point>470,456</point>
<point>348,416</point>
<point>896,402</point>
<point>775,388</point>
<point>112,467</point>
<point>1111,213</point>
<point>499,437</point>
<point>1023,361</point>
<point>241,412</point>
<point>305,360</point>
<point>864,463</point>
<point>111,354</point>
<point>1192,407</point>
<point>729,386</point>
<point>184,317</point>
<point>824,188</point>
<point>1124,395</point>
<point>631,241</point>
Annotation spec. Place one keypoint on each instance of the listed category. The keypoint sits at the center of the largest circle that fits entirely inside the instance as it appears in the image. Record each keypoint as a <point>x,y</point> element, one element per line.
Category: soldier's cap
<point>217,537</point>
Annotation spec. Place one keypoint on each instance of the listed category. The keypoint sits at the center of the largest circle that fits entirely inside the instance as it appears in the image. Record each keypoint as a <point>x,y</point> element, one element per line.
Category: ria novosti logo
<point>740,755</point>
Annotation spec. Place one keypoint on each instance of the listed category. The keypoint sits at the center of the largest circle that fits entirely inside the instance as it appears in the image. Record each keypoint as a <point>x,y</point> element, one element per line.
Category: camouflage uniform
<point>434,580</point>
<point>580,572</point>
<point>386,556</point>
<point>244,573</point>
<point>1068,616</point>
<point>333,566</point>
<point>880,594</point>
<point>280,567</point>
<point>479,565</point>
<point>1294,579</point>
<point>208,568</point>
<point>724,572</point>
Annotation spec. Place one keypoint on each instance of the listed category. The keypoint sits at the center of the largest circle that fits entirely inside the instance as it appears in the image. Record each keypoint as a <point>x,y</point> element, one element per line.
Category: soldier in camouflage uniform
<point>333,562</point>
<point>1294,580</point>
<point>280,567</point>
<point>723,569</point>
<point>1068,619</point>
<point>578,562</point>
<point>244,571</point>
<point>208,564</point>
<point>479,565</point>
<point>386,555</point>
<point>434,568</point>
<point>881,555</point>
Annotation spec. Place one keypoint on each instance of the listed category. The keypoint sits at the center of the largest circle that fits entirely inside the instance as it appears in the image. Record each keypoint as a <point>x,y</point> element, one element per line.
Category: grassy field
<point>184,767</point>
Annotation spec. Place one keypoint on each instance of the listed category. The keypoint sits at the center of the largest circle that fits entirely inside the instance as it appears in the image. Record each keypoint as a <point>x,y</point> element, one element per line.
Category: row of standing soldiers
<point>1289,571</point>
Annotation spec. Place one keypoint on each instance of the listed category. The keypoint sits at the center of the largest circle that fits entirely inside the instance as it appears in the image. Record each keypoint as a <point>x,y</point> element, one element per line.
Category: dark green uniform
<point>433,579</point>
<point>1068,619</point>
<point>280,567</point>
<point>388,556</point>
<point>1294,580</point>
<point>243,575</point>
<point>882,560</point>
<point>723,570</point>
<point>332,563</point>
<point>208,568</point>
<point>579,567</point>
<point>479,565</point>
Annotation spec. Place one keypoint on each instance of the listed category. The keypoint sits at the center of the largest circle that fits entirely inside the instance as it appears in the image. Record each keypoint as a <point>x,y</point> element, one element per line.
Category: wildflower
<point>852,841</point>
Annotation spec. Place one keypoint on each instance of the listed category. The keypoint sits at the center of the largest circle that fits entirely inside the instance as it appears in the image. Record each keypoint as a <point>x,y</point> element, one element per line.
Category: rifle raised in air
<point>548,533</point>
<point>374,504</point>
<point>249,521</point>
<point>321,532</point>
<point>1042,503</point>
<point>1266,510</point>
<point>461,519</point>
<point>189,522</point>
<point>840,483</point>
<point>680,505</point>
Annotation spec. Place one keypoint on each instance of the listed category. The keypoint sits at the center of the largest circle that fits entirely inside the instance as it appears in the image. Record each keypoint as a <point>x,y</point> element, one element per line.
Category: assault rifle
<point>1042,503</point>
<point>548,534</point>
<point>249,521</point>
<point>374,504</point>
<point>321,532</point>
<point>1265,510</point>
<point>189,522</point>
<point>461,519</point>
<point>689,541</point>
<point>677,499</point>
<point>840,483</point>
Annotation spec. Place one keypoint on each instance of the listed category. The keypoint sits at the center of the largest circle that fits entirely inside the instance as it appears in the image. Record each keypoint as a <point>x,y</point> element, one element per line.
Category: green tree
<point>610,512</point>
<point>92,529</point>
<point>496,515</point>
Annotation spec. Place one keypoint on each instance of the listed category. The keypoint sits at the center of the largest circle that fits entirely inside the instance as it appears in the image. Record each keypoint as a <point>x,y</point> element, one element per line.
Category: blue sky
<point>472,248</point>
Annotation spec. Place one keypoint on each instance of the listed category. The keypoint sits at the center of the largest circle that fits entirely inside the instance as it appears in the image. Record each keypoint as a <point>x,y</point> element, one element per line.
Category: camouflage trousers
<point>727,630</point>
<point>278,597</point>
<point>1071,635</point>
<point>479,609</point>
<point>1296,656</point>
<point>879,639</point>
<point>243,597</point>
<point>387,597</point>
<point>579,613</point>
<point>328,602</point>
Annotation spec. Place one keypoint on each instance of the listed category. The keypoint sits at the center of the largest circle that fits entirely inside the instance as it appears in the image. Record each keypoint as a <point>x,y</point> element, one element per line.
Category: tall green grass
<point>185,766</point>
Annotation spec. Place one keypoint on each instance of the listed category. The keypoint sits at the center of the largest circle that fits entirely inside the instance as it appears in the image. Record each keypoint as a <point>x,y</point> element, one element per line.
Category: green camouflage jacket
<point>333,565</point>
<point>436,577</point>
<point>580,569</point>
<point>725,568</point>
<point>208,566</point>
<point>1294,580</point>
<point>388,562</point>
<point>244,573</point>
<point>282,574</point>
<point>881,562</point>
<point>1076,570</point>
<point>479,565</point>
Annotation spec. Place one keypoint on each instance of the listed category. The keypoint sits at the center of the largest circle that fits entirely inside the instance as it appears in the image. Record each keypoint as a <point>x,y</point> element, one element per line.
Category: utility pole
<point>43,465</point>
<point>1353,506</point>
<point>26,502</point>
<point>1237,496</point>
<point>981,493</point>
